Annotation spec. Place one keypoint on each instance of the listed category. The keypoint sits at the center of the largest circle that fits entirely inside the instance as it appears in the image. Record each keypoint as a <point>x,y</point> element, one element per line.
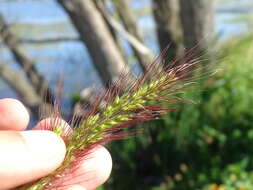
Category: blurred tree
<point>168,26</point>
<point>28,65</point>
<point>95,34</point>
<point>17,80</point>
<point>197,17</point>
<point>101,6</point>
<point>126,15</point>
<point>123,33</point>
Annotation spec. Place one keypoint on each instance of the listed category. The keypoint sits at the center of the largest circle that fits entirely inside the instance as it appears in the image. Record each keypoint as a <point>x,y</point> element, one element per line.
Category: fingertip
<point>97,167</point>
<point>50,122</point>
<point>55,124</point>
<point>13,115</point>
<point>45,147</point>
<point>29,155</point>
<point>103,164</point>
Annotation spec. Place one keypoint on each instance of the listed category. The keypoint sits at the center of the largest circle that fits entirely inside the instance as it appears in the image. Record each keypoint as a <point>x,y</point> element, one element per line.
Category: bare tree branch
<point>46,41</point>
<point>25,62</point>
<point>139,46</point>
<point>95,35</point>
<point>111,29</point>
<point>49,40</point>
<point>21,86</point>
<point>127,17</point>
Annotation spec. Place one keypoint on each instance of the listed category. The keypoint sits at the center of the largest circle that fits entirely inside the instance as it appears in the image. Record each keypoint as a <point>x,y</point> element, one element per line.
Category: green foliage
<point>76,97</point>
<point>203,146</point>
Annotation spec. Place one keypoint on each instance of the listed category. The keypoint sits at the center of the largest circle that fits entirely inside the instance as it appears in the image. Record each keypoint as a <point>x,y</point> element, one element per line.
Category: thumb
<point>28,155</point>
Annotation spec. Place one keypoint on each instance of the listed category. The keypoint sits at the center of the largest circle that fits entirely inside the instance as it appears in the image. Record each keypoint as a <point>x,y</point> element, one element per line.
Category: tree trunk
<point>168,26</point>
<point>97,38</point>
<point>198,23</point>
<point>101,6</point>
<point>22,87</point>
<point>25,62</point>
<point>127,17</point>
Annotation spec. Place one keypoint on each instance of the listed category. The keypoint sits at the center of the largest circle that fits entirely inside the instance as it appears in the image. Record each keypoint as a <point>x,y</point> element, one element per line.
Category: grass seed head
<point>121,106</point>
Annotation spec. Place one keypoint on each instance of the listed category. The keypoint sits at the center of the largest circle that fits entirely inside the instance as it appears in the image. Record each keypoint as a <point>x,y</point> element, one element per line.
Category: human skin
<point>30,155</point>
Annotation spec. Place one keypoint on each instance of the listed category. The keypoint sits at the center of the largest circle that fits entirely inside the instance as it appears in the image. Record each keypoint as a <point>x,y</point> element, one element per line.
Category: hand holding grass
<point>30,155</point>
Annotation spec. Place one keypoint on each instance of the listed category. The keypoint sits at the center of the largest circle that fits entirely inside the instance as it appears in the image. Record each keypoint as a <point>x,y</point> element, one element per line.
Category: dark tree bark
<point>168,26</point>
<point>25,62</point>
<point>198,23</point>
<point>127,17</point>
<point>96,36</point>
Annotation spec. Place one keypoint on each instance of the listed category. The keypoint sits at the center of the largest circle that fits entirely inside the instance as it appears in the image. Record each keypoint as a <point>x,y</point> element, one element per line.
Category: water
<point>71,59</point>
<point>233,10</point>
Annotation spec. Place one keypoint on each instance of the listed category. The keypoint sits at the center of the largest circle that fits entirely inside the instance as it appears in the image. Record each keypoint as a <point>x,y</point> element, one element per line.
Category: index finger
<point>13,115</point>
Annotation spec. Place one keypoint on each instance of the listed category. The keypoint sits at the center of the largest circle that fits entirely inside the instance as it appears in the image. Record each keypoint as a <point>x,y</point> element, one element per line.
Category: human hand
<point>29,155</point>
